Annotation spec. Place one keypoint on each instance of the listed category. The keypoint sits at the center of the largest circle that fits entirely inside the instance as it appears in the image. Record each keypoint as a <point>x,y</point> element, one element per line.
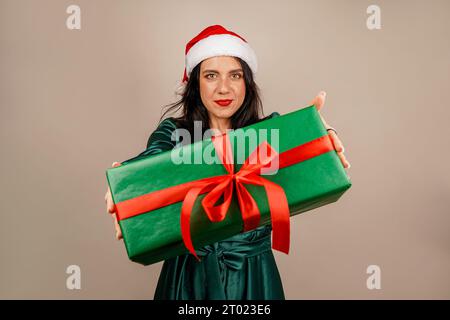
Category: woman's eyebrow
<point>215,71</point>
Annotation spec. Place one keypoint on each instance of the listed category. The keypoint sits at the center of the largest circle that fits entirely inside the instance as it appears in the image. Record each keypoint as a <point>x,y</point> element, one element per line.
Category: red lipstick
<point>223,103</point>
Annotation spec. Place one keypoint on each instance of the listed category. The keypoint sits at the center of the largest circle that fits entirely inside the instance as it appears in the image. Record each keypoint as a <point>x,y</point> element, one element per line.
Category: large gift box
<point>197,194</point>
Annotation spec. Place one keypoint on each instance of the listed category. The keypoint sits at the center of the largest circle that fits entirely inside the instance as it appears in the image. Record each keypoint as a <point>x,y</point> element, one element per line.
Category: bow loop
<point>225,188</point>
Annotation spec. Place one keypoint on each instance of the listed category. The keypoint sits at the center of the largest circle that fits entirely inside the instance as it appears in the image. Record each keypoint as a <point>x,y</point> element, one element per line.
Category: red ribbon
<point>262,157</point>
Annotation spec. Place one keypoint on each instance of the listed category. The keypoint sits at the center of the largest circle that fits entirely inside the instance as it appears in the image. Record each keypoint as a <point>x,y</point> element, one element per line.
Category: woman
<point>221,93</point>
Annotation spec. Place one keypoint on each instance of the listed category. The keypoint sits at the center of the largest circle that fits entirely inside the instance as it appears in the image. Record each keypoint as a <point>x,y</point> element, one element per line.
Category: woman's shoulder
<point>167,124</point>
<point>163,133</point>
<point>272,115</point>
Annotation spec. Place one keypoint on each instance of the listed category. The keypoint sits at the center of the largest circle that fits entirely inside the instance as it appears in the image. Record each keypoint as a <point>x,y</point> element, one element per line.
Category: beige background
<point>74,101</point>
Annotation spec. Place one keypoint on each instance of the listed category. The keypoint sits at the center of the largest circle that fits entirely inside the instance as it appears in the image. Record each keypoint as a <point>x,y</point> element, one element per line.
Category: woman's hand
<point>111,208</point>
<point>319,101</point>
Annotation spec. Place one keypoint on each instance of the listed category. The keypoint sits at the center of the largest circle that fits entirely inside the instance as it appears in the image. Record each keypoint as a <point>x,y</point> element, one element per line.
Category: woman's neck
<point>220,124</point>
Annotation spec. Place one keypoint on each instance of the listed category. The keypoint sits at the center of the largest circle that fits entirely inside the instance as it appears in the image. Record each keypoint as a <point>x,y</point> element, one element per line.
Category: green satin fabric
<point>239,268</point>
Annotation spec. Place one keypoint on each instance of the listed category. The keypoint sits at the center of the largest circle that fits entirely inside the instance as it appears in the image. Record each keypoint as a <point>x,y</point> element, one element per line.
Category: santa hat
<point>217,41</point>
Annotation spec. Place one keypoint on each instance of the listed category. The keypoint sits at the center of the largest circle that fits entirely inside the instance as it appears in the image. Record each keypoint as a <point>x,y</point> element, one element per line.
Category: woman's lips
<point>223,103</point>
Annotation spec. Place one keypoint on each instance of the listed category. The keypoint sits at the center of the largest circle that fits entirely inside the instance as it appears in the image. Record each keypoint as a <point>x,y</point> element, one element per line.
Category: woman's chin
<point>224,112</point>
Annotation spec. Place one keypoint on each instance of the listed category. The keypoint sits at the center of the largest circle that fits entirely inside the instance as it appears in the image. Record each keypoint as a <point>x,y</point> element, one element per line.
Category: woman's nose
<point>224,86</point>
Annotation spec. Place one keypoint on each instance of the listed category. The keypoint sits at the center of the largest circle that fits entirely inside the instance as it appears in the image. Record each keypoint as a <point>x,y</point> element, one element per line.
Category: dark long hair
<point>193,109</point>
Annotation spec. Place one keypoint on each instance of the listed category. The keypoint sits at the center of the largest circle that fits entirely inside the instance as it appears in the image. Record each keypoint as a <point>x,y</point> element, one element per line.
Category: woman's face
<point>221,78</point>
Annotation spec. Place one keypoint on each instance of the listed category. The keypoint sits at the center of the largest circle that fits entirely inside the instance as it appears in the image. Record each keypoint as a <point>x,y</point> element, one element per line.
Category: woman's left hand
<point>319,101</point>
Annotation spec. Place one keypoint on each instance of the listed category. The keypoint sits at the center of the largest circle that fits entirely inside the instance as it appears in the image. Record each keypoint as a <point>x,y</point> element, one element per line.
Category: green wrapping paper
<point>156,235</point>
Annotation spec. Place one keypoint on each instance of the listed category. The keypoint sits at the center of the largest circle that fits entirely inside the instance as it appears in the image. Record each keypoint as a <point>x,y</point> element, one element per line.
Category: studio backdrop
<point>83,83</point>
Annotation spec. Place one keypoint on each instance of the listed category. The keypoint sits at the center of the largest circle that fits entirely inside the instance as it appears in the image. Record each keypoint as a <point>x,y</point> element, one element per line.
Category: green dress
<point>239,268</point>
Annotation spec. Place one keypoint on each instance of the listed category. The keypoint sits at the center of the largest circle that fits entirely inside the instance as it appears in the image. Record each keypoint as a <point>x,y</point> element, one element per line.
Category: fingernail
<point>349,165</point>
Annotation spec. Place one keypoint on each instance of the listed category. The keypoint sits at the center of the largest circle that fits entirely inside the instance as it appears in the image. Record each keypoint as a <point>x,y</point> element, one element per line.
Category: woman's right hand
<point>111,208</point>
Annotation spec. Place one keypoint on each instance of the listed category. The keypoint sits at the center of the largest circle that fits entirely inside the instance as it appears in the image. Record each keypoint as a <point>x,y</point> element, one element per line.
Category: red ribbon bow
<point>261,157</point>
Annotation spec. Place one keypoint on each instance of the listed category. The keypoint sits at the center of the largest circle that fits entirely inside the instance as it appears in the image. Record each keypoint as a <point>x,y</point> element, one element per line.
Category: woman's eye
<point>237,76</point>
<point>209,76</point>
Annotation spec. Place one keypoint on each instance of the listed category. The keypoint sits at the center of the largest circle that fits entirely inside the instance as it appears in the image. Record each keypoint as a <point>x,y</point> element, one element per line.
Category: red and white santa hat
<point>217,41</point>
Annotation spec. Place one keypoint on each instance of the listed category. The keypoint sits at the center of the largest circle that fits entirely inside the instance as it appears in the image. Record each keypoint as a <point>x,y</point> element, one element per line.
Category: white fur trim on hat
<point>220,45</point>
